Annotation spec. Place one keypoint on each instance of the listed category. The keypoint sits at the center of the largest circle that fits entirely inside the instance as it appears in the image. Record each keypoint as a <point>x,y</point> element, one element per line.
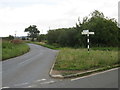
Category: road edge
<point>51,70</point>
<point>86,73</point>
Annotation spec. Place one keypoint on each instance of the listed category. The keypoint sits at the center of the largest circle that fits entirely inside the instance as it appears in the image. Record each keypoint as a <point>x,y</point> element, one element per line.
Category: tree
<point>33,32</point>
<point>23,38</point>
<point>10,37</point>
<point>63,37</point>
<point>42,37</point>
<point>106,30</point>
<point>96,14</point>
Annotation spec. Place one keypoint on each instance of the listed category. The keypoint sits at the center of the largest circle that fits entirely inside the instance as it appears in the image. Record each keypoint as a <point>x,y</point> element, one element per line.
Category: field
<point>79,59</point>
<point>13,49</point>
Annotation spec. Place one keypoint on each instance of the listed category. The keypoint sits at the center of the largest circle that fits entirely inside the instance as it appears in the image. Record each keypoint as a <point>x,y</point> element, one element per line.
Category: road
<point>31,70</point>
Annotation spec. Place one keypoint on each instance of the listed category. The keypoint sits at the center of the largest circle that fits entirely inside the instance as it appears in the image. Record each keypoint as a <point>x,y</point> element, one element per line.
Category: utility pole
<point>15,34</point>
<point>49,28</point>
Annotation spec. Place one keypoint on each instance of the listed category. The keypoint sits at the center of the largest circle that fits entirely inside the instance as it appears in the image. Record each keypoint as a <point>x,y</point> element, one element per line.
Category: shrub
<point>17,41</point>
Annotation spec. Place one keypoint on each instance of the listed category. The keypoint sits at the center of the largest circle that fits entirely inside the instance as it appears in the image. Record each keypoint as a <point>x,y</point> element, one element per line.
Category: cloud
<point>19,14</point>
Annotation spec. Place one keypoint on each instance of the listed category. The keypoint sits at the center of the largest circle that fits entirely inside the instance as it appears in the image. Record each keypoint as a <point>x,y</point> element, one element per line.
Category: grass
<point>105,48</point>
<point>10,49</point>
<point>79,59</point>
<point>46,45</point>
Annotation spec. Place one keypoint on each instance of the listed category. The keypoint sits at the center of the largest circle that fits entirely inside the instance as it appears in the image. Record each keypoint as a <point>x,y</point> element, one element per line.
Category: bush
<point>17,41</point>
<point>63,37</point>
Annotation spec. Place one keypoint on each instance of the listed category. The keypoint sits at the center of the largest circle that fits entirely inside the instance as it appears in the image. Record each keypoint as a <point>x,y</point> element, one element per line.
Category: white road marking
<point>31,86</point>
<point>29,59</point>
<point>40,80</point>
<point>93,74</point>
<point>48,82</point>
<point>21,84</point>
<point>25,61</point>
<point>5,87</point>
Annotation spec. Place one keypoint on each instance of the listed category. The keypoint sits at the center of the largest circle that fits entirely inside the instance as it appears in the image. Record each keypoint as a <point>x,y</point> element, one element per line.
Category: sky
<point>16,15</point>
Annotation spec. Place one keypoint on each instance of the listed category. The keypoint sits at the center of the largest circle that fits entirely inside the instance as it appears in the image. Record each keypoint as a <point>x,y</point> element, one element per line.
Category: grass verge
<point>70,59</point>
<point>46,45</point>
<point>10,49</point>
<point>105,48</point>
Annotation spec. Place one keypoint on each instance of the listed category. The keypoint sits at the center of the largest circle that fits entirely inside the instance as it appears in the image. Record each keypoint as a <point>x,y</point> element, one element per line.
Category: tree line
<point>106,32</point>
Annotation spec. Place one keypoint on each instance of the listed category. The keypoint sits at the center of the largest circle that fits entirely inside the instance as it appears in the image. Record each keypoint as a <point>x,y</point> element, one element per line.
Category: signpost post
<point>86,32</point>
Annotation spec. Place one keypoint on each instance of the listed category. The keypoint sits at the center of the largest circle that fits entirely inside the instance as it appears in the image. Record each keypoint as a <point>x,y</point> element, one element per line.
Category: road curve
<point>31,70</point>
<point>30,67</point>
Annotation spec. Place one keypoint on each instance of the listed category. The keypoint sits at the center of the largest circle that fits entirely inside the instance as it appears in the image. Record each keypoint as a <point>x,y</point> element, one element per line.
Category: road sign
<point>91,33</point>
<point>86,32</point>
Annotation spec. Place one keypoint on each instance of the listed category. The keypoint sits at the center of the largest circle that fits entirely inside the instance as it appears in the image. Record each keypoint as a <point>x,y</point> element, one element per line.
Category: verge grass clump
<point>13,48</point>
<point>80,59</point>
<point>46,45</point>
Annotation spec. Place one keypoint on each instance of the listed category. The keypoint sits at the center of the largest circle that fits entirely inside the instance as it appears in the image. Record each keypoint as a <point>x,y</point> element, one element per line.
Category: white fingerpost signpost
<point>86,32</point>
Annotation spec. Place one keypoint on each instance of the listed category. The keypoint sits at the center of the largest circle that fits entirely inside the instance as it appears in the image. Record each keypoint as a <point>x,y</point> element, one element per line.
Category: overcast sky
<point>16,15</point>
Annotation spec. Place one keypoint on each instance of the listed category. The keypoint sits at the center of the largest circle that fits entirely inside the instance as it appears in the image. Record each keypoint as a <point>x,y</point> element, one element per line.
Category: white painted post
<point>86,32</point>
<point>88,41</point>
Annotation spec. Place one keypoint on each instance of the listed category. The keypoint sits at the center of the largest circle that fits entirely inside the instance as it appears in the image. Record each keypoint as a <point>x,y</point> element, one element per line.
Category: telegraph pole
<point>15,34</point>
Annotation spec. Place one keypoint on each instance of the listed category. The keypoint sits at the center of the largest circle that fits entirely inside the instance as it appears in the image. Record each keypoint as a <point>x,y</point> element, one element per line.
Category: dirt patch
<point>62,72</point>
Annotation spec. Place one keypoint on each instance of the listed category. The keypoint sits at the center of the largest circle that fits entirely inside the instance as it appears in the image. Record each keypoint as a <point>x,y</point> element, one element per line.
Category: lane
<point>107,79</point>
<point>103,80</point>
<point>25,69</point>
